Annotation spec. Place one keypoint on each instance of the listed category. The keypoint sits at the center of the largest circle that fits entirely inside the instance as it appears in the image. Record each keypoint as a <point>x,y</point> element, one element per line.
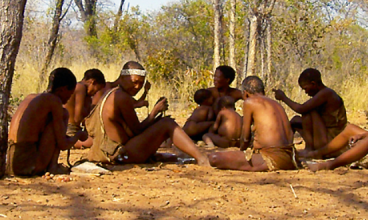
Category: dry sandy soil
<point>173,191</point>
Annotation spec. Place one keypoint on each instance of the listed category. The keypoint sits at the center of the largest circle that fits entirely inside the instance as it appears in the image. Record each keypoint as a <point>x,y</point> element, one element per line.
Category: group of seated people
<point>101,115</point>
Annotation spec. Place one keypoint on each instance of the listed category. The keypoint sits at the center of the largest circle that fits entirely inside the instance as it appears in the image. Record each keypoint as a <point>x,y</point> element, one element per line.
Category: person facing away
<point>273,136</point>
<point>202,117</point>
<point>79,104</point>
<point>34,148</point>
<point>224,76</point>
<point>227,127</point>
<point>118,135</point>
<point>323,116</point>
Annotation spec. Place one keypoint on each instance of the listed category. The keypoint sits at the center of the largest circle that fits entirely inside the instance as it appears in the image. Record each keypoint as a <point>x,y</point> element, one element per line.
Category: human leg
<point>357,152</point>
<point>235,160</point>
<point>194,128</point>
<point>47,159</point>
<point>142,146</point>
<point>212,139</point>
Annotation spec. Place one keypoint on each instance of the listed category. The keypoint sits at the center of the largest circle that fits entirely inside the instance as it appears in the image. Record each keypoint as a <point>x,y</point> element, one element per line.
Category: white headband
<point>128,72</point>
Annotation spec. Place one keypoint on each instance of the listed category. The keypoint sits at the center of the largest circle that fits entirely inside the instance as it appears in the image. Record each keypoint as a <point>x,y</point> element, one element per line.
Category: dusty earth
<point>170,191</point>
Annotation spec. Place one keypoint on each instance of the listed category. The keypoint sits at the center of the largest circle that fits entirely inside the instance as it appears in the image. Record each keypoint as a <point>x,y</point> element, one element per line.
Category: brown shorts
<point>21,158</point>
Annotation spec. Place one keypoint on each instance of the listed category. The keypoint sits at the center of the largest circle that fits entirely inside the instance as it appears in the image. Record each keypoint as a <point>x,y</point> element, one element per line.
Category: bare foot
<point>59,169</point>
<point>313,166</point>
<point>203,161</point>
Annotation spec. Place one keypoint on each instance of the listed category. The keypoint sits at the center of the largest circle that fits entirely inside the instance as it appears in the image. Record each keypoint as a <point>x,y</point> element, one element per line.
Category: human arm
<point>247,123</point>
<point>319,99</point>
<point>63,142</point>
<point>217,123</point>
<point>80,94</point>
<point>141,101</point>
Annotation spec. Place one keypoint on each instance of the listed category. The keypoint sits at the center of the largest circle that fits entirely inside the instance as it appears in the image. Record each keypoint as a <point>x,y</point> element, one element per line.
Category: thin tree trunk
<point>269,50</point>
<point>245,67</point>
<point>262,51</point>
<point>253,35</point>
<point>51,45</point>
<point>232,34</point>
<point>217,34</point>
<point>118,16</point>
<point>11,17</point>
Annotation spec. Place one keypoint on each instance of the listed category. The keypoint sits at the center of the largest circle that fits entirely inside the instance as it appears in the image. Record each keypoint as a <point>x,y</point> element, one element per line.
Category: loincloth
<point>276,158</point>
<point>105,150</point>
<point>72,130</point>
<point>22,158</point>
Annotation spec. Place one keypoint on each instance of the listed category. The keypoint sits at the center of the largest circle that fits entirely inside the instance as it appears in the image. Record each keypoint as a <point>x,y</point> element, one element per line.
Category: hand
<point>355,138</point>
<point>279,94</point>
<point>147,86</point>
<point>82,135</point>
<point>161,105</point>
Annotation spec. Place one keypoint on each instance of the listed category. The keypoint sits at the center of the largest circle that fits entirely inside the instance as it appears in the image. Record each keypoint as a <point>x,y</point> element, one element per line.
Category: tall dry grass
<point>180,91</point>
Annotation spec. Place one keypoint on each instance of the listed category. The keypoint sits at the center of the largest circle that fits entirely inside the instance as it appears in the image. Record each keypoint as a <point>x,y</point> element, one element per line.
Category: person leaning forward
<point>37,130</point>
<point>119,137</point>
<point>323,116</point>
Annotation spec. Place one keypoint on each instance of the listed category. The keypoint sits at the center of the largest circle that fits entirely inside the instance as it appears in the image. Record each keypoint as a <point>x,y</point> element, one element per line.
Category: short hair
<point>226,102</point>
<point>60,77</point>
<point>201,95</point>
<point>228,72</point>
<point>309,75</point>
<point>132,65</point>
<point>253,85</point>
<point>95,74</point>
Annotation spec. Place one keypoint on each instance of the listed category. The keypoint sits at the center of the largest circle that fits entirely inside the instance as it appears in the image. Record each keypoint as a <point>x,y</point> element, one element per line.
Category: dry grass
<point>353,91</point>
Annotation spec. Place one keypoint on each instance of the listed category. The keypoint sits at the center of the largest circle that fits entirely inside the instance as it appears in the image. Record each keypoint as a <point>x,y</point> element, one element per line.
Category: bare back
<point>79,105</point>
<point>32,116</point>
<point>229,124</point>
<point>271,126</point>
<point>202,113</point>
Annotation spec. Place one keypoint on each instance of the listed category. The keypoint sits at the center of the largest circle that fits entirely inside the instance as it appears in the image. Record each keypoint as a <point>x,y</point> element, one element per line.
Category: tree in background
<point>11,17</point>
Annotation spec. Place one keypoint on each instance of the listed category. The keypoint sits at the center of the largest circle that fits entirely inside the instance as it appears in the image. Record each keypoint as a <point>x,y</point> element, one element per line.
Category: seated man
<point>79,104</point>
<point>227,128</point>
<point>141,102</point>
<point>202,117</point>
<point>224,76</point>
<point>323,116</point>
<point>37,129</point>
<point>119,137</point>
<point>353,135</point>
<point>273,137</point>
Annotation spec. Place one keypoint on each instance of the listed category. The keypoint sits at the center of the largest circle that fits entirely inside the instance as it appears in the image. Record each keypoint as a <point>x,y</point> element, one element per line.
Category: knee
<point>168,122</point>
<point>214,159</point>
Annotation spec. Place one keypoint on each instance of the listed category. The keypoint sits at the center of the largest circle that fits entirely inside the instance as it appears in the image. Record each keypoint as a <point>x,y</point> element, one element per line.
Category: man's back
<point>32,115</point>
<point>270,123</point>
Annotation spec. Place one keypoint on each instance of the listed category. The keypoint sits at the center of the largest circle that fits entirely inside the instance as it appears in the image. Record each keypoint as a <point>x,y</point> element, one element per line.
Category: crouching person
<point>37,130</point>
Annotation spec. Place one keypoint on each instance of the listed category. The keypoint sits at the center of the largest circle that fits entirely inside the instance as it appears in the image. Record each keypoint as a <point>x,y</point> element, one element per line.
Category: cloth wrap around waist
<point>103,149</point>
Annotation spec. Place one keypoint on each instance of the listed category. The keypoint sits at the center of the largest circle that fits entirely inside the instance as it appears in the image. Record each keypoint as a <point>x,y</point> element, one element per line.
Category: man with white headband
<point>119,137</point>
<point>141,102</point>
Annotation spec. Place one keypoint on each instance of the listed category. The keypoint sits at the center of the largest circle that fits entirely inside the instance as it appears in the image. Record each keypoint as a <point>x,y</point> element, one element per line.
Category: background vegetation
<point>175,44</point>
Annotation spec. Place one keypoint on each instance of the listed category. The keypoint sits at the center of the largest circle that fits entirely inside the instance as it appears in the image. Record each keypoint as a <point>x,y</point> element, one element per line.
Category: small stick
<point>292,189</point>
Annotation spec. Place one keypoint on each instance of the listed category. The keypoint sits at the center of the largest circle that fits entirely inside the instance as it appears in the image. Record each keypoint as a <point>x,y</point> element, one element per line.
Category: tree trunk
<point>245,67</point>
<point>217,34</point>
<point>11,17</point>
<point>88,16</point>
<point>232,34</point>
<point>253,35</point>
<point>118,16</point>
<point>269,50</point>
<point>51,45</point>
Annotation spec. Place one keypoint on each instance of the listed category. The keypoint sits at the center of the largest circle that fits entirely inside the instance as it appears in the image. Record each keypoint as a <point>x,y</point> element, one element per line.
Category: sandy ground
<point>170,191</point>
